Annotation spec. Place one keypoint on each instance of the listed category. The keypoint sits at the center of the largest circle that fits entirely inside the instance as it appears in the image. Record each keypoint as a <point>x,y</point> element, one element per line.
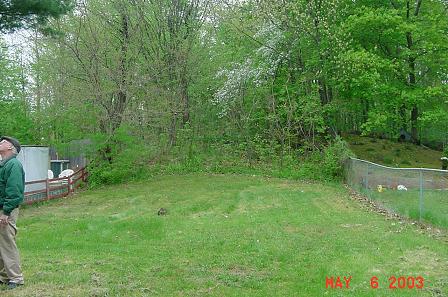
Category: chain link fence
<point>418,193</point>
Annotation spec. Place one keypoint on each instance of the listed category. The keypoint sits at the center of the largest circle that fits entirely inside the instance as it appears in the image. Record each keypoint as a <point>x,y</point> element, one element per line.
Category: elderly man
<point>12,184</point>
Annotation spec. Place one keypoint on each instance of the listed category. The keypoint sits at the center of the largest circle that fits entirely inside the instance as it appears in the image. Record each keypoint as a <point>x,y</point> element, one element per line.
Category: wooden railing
<point>56,187</point>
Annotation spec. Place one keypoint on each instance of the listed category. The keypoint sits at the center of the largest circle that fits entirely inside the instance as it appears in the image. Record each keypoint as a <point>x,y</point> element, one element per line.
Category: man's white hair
<point>14,150</point>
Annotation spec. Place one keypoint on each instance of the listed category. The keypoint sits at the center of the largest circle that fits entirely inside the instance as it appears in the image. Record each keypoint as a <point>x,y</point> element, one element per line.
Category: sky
<point>19,41</point>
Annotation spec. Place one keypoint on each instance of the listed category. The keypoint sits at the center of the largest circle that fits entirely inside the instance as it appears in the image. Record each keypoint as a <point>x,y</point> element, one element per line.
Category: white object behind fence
<point>419,193</point>
<point>66,173</point>
<point>401,188</point>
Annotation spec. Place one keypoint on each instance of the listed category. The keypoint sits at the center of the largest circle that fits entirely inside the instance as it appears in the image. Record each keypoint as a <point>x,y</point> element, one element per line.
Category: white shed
<point>36,162</point>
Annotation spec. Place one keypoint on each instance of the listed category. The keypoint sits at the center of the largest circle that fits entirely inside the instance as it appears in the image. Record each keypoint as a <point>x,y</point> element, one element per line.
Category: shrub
<point>334,158</point>
<point>117,159</point>
<point>125,157</point>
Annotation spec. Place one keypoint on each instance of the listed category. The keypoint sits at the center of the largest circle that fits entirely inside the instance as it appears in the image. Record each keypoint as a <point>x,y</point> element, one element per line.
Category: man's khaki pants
<point>10,270</point>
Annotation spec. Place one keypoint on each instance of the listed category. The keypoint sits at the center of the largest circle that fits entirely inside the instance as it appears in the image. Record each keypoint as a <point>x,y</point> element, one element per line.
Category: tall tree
<point>401,46</point>
<point>13,105</point>
<point>171,29</point>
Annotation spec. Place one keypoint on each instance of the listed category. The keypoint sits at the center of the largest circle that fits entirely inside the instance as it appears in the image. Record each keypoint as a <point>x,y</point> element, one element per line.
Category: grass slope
<point>223,236</point>
<point>396,154</point>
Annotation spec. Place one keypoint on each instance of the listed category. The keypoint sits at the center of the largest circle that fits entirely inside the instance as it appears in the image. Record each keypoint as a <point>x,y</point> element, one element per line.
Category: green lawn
<point>223,236</point>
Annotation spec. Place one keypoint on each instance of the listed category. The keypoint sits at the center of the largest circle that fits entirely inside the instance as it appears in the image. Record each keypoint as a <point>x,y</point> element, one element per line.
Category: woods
<point>256,81</point>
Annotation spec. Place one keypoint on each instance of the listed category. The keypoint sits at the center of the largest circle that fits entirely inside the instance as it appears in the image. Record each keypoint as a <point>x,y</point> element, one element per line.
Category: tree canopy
<point>266,80</point>
<point>15,14</point>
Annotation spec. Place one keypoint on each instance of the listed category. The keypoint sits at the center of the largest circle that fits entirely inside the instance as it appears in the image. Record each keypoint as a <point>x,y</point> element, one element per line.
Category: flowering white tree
<point>254,71</point>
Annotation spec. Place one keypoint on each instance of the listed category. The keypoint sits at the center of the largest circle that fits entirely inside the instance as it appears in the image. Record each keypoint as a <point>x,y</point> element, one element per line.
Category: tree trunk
<point>184,95</point>
<point>121,98</point>
<point>323,92</point>
<point>411,76</point>
<point>173,128</point>
<point>414,122</point>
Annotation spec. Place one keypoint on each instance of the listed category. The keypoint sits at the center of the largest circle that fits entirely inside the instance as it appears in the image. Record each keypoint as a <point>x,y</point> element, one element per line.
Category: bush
<point>334,158</point>
<point>120,158</point>
<point>125,157</point>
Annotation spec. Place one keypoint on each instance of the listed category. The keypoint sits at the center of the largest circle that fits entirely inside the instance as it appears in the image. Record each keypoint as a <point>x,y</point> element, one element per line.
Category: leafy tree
<point>15,14</point>
<point>393,55</point>
<point>13,106</point>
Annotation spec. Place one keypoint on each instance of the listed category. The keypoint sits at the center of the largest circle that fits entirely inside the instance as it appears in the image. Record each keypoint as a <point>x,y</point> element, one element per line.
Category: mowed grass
<point>222,236</point>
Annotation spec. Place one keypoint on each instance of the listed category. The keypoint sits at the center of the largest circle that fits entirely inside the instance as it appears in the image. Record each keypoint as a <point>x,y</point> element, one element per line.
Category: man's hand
<point>4,219</point>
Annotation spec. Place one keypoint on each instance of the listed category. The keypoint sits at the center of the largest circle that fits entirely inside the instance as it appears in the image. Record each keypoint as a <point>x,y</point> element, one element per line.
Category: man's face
<point>5,145</point>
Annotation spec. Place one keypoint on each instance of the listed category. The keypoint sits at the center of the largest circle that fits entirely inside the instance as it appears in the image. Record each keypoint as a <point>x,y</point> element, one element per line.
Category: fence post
<point>47,188</point>
<point>367,180</point>
<point>421,194</point>
<point>349,172</point>
<point>70,181</point>
<point>68,185</point>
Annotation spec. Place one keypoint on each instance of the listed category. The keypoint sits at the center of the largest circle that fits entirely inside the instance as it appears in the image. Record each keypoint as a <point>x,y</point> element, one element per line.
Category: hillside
<point>395,154</point>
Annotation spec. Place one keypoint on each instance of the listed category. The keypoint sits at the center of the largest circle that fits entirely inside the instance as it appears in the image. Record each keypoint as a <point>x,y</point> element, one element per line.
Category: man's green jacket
<point>12,184</point>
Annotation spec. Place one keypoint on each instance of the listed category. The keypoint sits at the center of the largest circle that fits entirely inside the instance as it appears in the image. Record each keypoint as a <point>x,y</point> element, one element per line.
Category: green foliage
<point>406,162</point>
<point>16,14</point>
<point>14,110</point>
<point>119,158</point>
<point>11,81</point>
<point>369,26</point>
<point>397,154</point>
<point>16,123</point>
<point>334,158</point>
<point>128,158</point>
<point>254,158</point>
<point>260,88</point>
<point>386,47</point>
<point>389,161</point>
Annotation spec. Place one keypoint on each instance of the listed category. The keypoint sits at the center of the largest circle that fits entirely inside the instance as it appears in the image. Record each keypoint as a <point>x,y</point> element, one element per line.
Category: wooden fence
<point>48,189</point>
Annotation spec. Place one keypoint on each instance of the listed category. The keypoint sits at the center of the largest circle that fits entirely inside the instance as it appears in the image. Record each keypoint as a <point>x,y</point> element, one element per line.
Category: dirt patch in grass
<point>422,256</point>
<point>292,229</point>
<point>239,276</point>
